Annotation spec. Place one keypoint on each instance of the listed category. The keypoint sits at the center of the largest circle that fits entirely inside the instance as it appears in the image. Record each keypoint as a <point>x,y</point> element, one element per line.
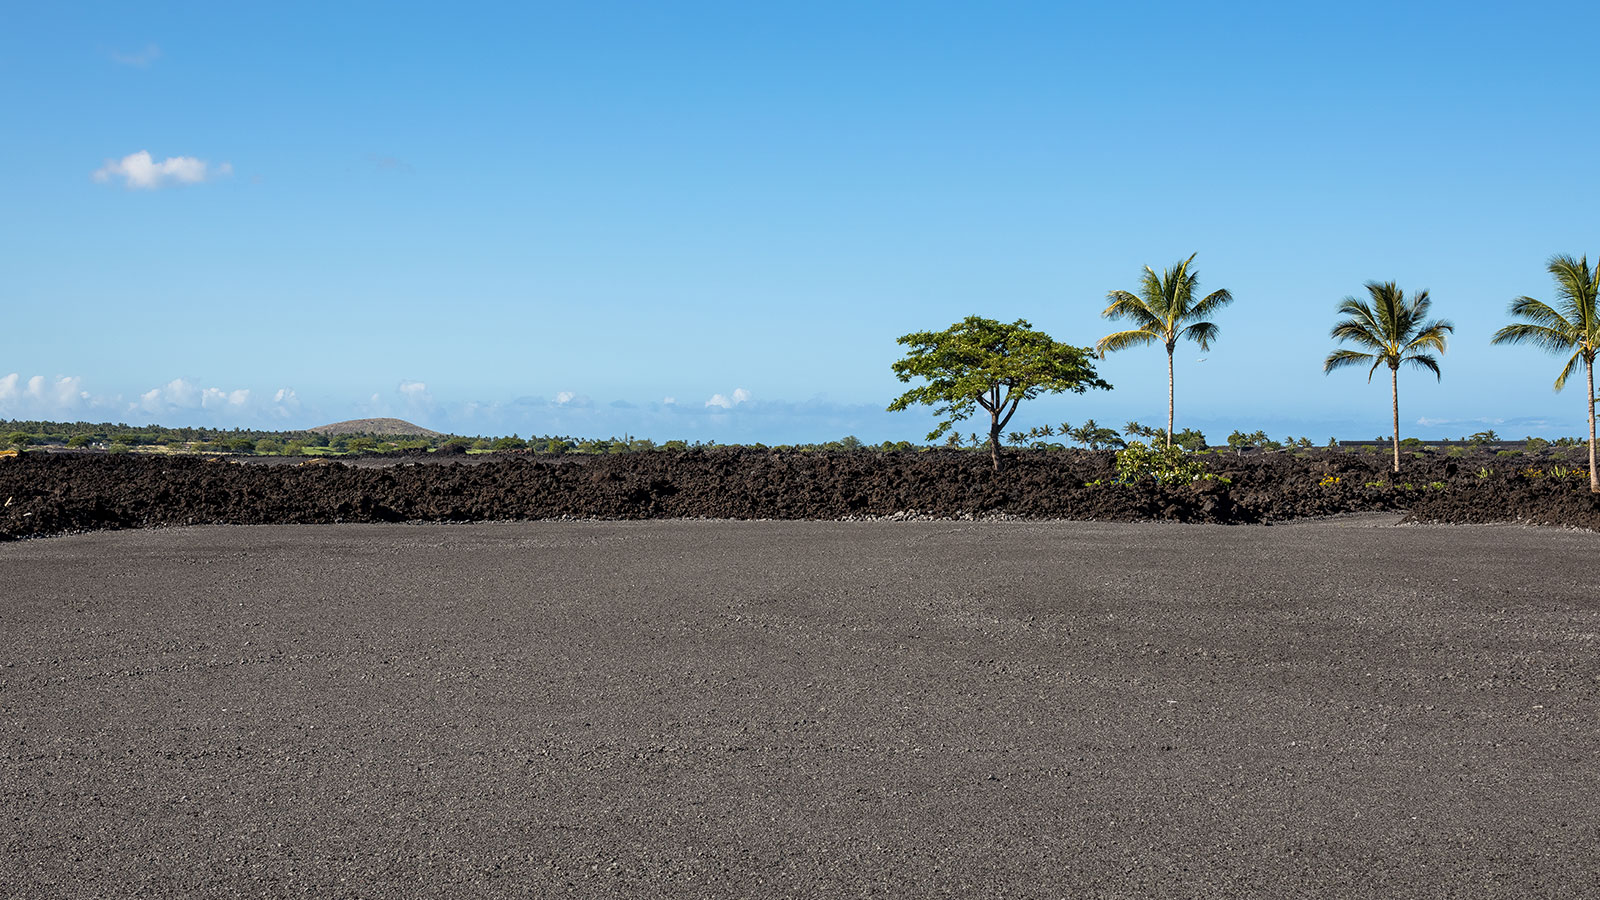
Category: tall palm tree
<point>1575,326</point>
<point>1395,331</point>
<point>1164,310</point>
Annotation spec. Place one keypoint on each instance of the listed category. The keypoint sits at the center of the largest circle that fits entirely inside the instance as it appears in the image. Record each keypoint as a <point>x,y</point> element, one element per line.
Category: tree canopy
<point>1572,325</point>
<point>982,363</point>
<point>1164,310</point>
<point>1393,330</point>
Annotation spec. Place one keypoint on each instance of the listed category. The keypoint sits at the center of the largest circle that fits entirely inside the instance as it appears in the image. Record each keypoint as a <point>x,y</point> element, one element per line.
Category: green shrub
<point>118,448</point>
<point>1167,465</point>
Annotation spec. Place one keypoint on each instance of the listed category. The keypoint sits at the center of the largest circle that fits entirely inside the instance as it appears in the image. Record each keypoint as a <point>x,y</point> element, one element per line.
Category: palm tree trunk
<point>1394,387</point>
<point>1594,476</point>
<point>1169,397</point>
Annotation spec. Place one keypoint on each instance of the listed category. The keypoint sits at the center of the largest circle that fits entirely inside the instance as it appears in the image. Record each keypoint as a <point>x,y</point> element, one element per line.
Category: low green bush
<point>1167,465</point>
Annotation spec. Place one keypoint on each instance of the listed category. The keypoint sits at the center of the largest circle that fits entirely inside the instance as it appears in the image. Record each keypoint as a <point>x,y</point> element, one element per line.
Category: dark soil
<point>1332,709</point>
<point>52,494</point>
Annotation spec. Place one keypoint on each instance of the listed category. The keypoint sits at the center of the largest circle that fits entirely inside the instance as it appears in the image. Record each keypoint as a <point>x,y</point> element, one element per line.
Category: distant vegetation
<point>123,438</point>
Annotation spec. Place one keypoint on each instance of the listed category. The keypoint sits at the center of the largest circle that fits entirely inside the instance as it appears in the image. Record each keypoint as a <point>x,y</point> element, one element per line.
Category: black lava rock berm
<point>59,493</point>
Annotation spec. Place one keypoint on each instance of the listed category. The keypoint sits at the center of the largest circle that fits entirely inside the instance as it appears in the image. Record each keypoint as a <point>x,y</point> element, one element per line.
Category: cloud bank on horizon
<point>738,416</point>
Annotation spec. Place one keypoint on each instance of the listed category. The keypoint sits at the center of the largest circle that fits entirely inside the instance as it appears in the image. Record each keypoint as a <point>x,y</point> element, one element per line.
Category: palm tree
<point>1164,310</point>
<point>1395,332</point>
<point>1575,326</point>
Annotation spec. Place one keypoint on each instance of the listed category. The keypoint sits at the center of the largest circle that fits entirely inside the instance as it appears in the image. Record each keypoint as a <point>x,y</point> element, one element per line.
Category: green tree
<point>19,439</point>
<point>1136,430</point>
<point>1572,325</point>
<point>1393,330</point>
<point>981,363</point>
<point>1092,435</point>
<point>1163,311</point>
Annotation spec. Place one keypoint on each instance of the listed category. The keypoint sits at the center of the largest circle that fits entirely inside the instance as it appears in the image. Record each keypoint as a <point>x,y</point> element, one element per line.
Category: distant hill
<point>375,426</point>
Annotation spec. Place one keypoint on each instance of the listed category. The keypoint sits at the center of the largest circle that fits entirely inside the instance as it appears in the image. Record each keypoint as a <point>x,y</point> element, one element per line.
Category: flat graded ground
<point>802,709</point>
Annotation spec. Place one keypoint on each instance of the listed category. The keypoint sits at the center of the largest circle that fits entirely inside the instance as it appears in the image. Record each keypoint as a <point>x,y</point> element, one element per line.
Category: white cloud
<point>138,59</point>
<point>413,388</point>
<point>180,394</point>
<point>41,396</point>
<point>668,401</point>
<point>565,397</point>
<point>285,403</point>
<point>740,395</point>
<point>139,170</point>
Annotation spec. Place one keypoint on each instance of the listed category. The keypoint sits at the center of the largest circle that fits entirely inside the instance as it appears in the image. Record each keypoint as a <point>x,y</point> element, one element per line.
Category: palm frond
<point>1360,334</point>
<point>1203,333</point>
<point>1568,369</point>
<point>1387,299</point>
<point>1539,313</point>
<point>1359,318</point>
<point>1129,306</point>
<point>1153,289</point>
<point>1575,283</point>
<point>1425,361</point>
<point>1340,359</point>
<point>1545,337</point>
<point>1212,302</point>
<point>1122,340</point>
<point>1431,334</point>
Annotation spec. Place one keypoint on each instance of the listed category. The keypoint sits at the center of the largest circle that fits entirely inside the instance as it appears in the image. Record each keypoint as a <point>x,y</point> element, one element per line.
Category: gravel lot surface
<point>1339,708</point>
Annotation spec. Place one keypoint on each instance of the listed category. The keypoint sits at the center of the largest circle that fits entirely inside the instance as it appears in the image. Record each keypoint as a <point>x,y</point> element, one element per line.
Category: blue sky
<point>711,221</point>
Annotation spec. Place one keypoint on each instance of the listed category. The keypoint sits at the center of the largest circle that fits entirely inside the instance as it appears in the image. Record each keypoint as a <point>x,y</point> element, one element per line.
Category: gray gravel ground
<point>802,709</point>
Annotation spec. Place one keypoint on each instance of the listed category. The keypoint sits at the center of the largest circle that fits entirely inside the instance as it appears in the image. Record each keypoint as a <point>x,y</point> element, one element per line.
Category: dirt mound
<point>52,494</point>
<point>388,427</point>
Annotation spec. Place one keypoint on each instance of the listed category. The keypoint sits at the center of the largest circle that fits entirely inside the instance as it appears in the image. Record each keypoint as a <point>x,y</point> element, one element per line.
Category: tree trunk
<point>994,439</point>
<point>1394,386</point>
<point>1594,476</point>
<point>1169,396</point>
